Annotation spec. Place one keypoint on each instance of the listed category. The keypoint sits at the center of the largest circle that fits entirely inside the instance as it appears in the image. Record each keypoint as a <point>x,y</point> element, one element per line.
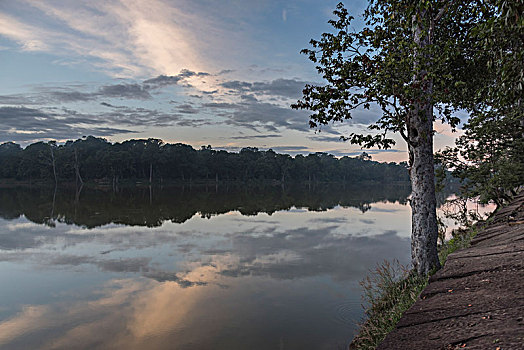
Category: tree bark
<point>424,229</point>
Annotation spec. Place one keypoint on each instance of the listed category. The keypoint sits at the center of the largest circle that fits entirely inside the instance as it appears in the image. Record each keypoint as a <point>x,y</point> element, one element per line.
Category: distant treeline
<point>151,160</point>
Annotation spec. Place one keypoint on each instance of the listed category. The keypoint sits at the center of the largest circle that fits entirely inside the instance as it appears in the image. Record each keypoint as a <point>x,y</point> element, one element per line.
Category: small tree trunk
<point>53,206</point>
<point>53,163</point>
<point>77,195</point>
<point>77,169</point>
<point>150,172</point>
<point>521,107</point>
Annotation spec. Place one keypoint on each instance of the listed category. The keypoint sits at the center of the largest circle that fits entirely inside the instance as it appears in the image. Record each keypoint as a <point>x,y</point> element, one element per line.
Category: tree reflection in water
<point>151,206</point>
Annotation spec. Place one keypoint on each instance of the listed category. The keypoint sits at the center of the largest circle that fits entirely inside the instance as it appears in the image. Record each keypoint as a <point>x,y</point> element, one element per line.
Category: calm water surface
<point>192,268</point>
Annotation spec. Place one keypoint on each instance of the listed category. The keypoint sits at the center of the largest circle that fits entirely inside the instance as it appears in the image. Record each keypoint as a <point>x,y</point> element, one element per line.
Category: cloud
<point>22,33</point>
<point>286,88</point>
<point>105,104</point>
<point>186,109</point>
<point>25,124</point>
<point>246,106</point>
<point>257,115</point>
<point>166,80</point>
<point>132,91</point>
<point>39,36</point>
<point>163,80</point>
<point>11,114</point>
<point>237,85</point>
<point>136,264</point>
<point>69,96</point>
<point>369,151</point>
<point>323,138</point>
<point>163,276</point>
<point>138,117</point>
<point>22,99</point>
<point>249,106</point>
<point>268,250</point>
<point>311,252</point>
<point>51,94</point>
<point>291,88</point>
<point>127,90</point>
<point>225,71</point>
<point>290,149</point>
<point>124,38</point>
<point>249,137</point>
<point>219,105</point>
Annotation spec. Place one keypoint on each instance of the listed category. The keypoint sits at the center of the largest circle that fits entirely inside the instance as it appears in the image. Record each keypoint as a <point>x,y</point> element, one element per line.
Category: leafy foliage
<point>489,157</point>
<point>376,66</point>
<point>461,239</point>
<point>138,159</point>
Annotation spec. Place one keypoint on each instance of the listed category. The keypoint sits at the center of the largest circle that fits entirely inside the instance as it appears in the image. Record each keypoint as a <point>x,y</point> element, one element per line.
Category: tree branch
<point>442,11</point>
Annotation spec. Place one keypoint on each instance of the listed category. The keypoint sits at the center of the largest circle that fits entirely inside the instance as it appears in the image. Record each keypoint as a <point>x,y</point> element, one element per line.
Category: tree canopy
<point>383,66</point>
<point>489,157</point>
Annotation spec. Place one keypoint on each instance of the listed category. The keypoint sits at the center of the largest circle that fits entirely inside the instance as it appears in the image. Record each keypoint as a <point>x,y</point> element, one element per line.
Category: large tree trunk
<point>424,230</point>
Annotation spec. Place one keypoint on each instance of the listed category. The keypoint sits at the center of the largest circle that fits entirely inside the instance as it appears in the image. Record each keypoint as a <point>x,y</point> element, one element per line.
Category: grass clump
<point>389,290</point>
<point>461,239</point>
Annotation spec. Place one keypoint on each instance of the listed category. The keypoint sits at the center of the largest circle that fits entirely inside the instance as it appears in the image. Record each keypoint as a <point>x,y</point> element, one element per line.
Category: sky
<point>201,72</point>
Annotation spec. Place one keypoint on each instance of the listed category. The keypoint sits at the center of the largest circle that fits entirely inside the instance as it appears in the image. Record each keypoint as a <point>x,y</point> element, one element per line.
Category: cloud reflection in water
<point>227,282</point>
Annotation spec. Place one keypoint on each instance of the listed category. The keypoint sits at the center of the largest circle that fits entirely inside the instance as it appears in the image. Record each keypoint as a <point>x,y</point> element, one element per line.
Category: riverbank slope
<point>477,300</point>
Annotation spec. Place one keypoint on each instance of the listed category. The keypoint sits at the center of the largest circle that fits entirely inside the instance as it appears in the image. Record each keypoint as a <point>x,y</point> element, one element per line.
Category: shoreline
<point>475,300</point>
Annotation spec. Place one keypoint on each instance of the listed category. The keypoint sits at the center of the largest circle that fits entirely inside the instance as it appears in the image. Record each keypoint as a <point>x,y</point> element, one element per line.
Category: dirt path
<point>477,300</point>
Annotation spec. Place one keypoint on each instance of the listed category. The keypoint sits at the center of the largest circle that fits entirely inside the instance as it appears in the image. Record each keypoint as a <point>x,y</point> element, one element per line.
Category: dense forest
<point>152,161</point>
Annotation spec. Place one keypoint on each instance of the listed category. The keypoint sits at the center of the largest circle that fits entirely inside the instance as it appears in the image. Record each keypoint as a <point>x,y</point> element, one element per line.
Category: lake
<point>193,267</point>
